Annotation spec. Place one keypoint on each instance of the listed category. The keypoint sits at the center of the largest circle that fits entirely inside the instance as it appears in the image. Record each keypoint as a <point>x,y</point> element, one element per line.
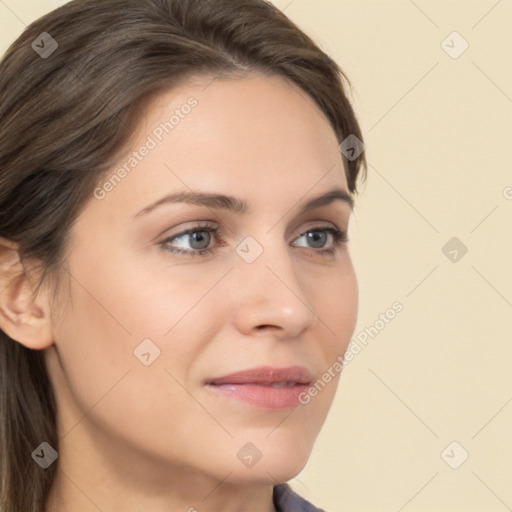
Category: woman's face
<point>154,315</point>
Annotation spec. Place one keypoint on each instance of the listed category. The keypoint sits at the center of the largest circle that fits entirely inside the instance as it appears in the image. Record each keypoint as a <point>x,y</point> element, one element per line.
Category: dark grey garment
<point>285,500</point>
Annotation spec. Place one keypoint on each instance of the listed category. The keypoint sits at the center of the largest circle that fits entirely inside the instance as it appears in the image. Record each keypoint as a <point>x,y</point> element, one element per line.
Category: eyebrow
<point>226,202</point>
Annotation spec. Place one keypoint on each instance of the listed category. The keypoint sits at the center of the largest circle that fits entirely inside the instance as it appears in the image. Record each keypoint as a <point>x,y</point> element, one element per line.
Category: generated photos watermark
<point>353,349</point>
<point>157,135</point>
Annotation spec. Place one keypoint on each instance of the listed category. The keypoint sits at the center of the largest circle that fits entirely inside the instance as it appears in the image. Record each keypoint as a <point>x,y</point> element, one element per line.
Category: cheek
<point>336,303</point>
<point>104,388</point>
<point>349,304</point>
<point>122,316</point>
<point>108,317</point>
<point>335,299</point>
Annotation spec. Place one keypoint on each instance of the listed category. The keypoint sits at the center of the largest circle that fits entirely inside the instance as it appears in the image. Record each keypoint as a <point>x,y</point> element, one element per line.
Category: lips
<point>266,376</point>
<point>264,387</point>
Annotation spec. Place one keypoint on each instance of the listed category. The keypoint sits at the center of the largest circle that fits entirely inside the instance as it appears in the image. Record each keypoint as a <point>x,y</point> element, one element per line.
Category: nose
<point>270,296</point>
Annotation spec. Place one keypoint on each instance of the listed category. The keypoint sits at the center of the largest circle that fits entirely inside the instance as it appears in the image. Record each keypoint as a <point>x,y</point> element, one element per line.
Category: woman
<point>176,291</point>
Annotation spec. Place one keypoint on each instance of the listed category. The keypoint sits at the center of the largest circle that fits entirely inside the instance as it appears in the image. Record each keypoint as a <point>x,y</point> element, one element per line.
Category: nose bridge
<point>267,289</point>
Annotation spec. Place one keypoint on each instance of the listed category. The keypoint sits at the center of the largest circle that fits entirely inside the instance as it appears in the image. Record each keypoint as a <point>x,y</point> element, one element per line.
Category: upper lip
<point>265,375</point>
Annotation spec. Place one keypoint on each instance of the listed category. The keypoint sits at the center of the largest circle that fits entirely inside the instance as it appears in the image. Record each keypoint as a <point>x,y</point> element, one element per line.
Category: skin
<point>136,437</point>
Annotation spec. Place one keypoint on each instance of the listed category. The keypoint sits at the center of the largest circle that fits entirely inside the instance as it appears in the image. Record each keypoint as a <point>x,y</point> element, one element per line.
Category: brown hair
<point>65,116</point>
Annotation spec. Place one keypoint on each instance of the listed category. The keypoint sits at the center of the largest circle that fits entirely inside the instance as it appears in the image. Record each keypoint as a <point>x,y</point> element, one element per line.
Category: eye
<point>198,238</point>
<point>317,237</point>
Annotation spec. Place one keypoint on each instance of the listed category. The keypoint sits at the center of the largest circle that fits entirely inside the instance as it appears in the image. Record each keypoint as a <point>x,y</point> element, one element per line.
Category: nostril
<point>268,326</point>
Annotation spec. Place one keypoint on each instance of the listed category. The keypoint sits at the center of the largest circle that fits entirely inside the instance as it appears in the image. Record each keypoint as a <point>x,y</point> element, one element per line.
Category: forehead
<point>246,134</point>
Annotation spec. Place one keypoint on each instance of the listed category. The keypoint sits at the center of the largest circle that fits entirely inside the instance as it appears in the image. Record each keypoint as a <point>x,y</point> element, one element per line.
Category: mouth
<point>264,387</point>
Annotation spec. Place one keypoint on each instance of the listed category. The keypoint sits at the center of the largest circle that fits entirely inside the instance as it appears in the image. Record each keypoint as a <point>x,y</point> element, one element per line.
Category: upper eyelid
<point>217,229</point>
<point>331,209</point>
<point>217,232</point>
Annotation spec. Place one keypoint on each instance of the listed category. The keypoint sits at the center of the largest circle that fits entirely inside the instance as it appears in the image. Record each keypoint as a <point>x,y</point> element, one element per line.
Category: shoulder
<point>286,500</point>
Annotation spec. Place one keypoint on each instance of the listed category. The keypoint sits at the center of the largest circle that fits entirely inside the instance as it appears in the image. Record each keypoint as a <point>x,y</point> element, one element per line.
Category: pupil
<point>198,236</point>
<point>316,236</point>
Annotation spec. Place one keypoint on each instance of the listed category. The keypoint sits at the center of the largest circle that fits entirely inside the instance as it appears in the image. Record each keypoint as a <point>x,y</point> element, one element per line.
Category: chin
<point>289,460</point>
<point>271,474</point>
<point>279,462</point>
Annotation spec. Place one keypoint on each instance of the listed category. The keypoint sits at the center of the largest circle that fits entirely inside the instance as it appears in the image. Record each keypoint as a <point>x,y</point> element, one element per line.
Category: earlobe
<point>24,317</point>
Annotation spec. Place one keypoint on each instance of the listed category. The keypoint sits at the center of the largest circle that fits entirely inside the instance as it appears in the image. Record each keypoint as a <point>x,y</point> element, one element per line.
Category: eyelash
<point>339,238</point>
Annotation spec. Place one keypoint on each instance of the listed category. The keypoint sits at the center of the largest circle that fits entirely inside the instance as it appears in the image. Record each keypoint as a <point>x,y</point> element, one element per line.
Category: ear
<point>24,317</point>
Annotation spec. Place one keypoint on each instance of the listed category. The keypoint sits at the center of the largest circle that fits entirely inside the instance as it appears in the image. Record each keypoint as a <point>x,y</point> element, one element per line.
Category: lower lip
<point>266,397</point>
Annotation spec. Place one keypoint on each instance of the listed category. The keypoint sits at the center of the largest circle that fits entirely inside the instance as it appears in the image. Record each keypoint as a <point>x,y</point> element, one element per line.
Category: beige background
<point>438,132</point>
